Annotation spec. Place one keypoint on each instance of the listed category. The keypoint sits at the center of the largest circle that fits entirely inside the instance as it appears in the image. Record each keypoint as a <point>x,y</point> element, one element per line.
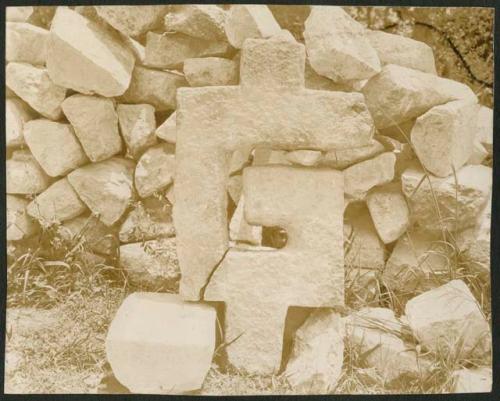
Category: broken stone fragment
<point>443,137</point>
<point>154,171</point>
<point>449,319</point>
<point>57,203</point>
<point>239,159</point>
<point>138,50</point>
<point>477,380</point>
<point>337,47</point>
<point>168,131</point>
<point>318,354</point>
<point>25,43</point>
<point>157,88</point>
<point>340,159</point>
<point>240,230</point>
<point>105,187</point>
<point>24,175</point>
<point>95,122</point>
<point>170,50</point>
<point>405,156</point>
<point>392,101</point>
<point>17,113</point>
<point>137,125</point>
<point>210,71</point>
<point>479,153</point>
<point>18,14</point>
<point>150,326</point>
<point>54,145</point>
<point>458,203</point>
<point>19,224</point>
<point>485,128</point>
<point>235,188</point>
<point>34,86</point>
<point>204,21</point>
<point>246,21</point>
<point>389,211</point>
<point>361,177</point>
<point>132,20</point>
<point>263,156</point>
<point>305,157</point>
<point>86,57</point>
<point>403,51</point>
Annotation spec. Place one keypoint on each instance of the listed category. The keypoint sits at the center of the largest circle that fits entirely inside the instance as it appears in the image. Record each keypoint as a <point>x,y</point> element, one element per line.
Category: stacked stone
<point>92,130</point>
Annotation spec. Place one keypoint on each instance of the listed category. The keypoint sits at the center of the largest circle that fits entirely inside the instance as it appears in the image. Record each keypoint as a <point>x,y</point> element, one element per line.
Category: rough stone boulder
<point>18,14</point>
<point>16,114</point>
<point>158,344</point>
<point>26,43</point>
<point>168,129</point>
<point>86,57</point>
<point>55,146</point>
<point>477,380</point>
<point>95,122</point>
<point>305,157</point>
<point>210,71</point>
<point>24,175</point>
<point>105,187</point>
<point>19,224</point>
<point>392,100</point>
<point>205,21</point>
<point>337,47</point>
<point>485,128</point>
<point>449,319</point>
<point>340,159</point>
<point>154,171</point>
<point>137,125</point>
<point>34,86</point>
<point>479,153</point>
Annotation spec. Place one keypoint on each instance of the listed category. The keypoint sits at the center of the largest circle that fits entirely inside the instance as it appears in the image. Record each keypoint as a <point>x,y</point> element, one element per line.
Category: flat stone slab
<point>343,158</point>
<point>24,176</point>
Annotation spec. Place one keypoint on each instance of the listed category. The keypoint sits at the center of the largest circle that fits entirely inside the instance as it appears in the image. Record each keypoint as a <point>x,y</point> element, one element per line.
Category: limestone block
<point>403,51</point>
<point>150,219</point>
<point>305,157</point>
<point>158,344</point>
<point>278,277</point>
<point>132,20</point>
<point>105,187</point>
<point>57,203</point>
<point>392,100</point>
<point>223,119</point>
<point>16,114</point>
<point>171,50</point>
<point>18,14</point>
<point>485,128</point>
<point>245,21</point>
<point>443,137</point>
<point>449,318</point>
<point>34,86</point>
<point>19,224</point>
<point>54,146</point>
<point>389,211</point>
<point>340,159</point>
<point>458,203</point>
<point>240,230</point>
<point>337,47</point>
<point>26,43</point>
<point>168,131</point>
<point>86,57</point>
<point>477,380</point>
<point>154,171</point>
<point>210,71</point>
<point>95,122</point>
<point>158,88</point>
<point>318,354</point>
<point>479,153</point>
<point>365,175</point>
<point>205,21</point>
<point>264,156</point>
<point>137,125</point>
<point>24,175</point>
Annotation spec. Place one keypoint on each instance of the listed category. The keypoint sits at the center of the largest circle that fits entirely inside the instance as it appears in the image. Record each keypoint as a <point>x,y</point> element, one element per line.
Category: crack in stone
<point>217,265</point>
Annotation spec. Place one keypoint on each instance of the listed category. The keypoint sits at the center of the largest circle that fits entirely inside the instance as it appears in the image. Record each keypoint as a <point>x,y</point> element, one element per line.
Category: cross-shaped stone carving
<point>259,286</point>
<point>270,108</point>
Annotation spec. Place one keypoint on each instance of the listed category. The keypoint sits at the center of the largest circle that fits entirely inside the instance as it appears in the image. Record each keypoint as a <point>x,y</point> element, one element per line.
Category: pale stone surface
<point>445,316</point>
<point>158,344</point>
<point>132,20</point>
<point>235,187</point>
<point>337,47</point>
<point>362,287</point>
<point>170,194</point>
<point>240,230</point>
<point>34,86</point>
<point>210,71</point>
<point>405,156</point>
<point>137,49</point>
<point>223,119</point>
<point>19,224</point>
<point>26,43</point>
<point>205,21</point>
<point>343,158</point>
<point>18,14</point>
<point>171,50</point>
<point>479,153</point>
<point>86,57</point>
<point>485,128</point>
<point>304,157</point>
<point>57,203</point>
<point>318,354</point>
<point>154,171</point>
<point>264,156</point>
<point>246,21</point>
<point>54,146</point>
<point>137,125</point>
<point>24,175</point>
<point>105,187</point>
<point>279,279</point>
<point>459,202</point>
<point>403,51</point>
<point>399,94</point>
<point>389,211</point>
<point>315,81</point>
<point>443,137</point>
<point>365,175</point>
<point>16,114</point>
<point>95,122</point>
<point>158,88</point>
<point>168,129</point>
<point>477,380</point>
